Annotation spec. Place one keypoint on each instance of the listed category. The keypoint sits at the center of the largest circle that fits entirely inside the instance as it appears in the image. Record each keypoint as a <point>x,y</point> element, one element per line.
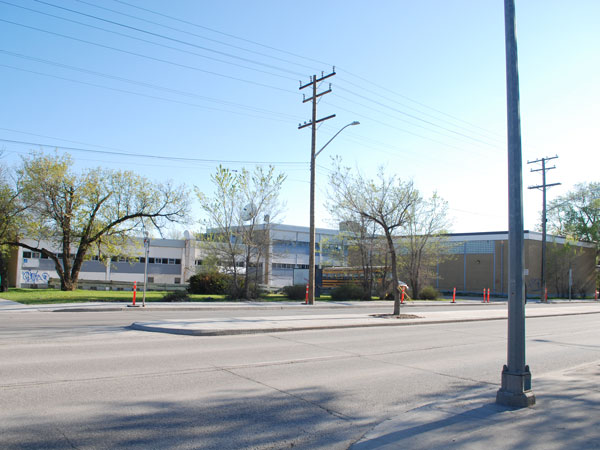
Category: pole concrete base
<point>516,389</point>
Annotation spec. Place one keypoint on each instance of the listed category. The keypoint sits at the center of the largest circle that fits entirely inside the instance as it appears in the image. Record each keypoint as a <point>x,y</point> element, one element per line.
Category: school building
<point>473,261</point>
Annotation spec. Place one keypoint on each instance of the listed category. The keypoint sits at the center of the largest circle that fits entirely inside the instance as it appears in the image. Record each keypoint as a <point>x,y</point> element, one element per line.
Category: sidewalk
<point>566,416</point>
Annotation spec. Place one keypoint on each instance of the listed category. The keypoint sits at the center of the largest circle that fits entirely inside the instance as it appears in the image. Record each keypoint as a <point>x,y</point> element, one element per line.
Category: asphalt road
<point>83,380</point>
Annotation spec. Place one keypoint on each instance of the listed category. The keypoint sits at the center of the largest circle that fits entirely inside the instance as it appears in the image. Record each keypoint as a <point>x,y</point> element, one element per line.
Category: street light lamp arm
<point>335,135</point>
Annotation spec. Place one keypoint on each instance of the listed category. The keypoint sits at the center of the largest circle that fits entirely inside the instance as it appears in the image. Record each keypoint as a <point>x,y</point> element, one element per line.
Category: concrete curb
<point>327,325</point>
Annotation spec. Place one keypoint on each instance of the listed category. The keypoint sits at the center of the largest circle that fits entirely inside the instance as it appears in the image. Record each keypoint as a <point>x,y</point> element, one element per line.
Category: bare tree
<point>236,225</point>
<point>423,243</point>
<point>385,200</point>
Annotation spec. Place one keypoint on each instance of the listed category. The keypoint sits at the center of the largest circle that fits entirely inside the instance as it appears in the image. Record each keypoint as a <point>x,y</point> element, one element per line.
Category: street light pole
<point>516,377</point>
<point>147,251</point>
<point>312,233</point>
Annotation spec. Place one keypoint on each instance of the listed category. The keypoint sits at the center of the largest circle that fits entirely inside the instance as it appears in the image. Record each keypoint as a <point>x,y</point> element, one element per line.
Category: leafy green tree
<point>239,214</point>
<point>385,200</point>
<point>577,214</point>
<point>10,208</point>
<point>98,207</point>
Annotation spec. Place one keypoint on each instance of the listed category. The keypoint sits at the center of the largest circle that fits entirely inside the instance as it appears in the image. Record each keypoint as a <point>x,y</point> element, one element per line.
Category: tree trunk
<point>67,284</point>
<point>3,273</point>
<point>394,273</point>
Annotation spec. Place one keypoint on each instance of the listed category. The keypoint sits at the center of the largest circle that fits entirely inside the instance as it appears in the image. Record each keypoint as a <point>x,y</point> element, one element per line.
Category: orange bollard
<point>454,296</point>
<point>402,299</point>
<point>488,295</point>
<point>306,302</point>
<point>483,295</point>
<point>134,291</point>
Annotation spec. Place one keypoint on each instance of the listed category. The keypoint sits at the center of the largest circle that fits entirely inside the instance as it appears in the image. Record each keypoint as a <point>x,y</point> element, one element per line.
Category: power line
<point>152,58</point>
<point>154,97</point>
<point>321,63</point>
<point>387,98</point>
<point>162,36</point>
<point>144,84</point>
<point>141,155</point>
<point>147,41</point>
<point>412,116</point>
<point>237,47</point>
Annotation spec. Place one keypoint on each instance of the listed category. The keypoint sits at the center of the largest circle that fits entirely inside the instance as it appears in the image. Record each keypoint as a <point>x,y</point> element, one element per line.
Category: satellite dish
<point>248,212</point>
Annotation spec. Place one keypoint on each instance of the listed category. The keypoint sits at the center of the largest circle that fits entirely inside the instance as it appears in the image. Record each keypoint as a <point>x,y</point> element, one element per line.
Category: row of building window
<point>130,259</point>
<point>289,266</point>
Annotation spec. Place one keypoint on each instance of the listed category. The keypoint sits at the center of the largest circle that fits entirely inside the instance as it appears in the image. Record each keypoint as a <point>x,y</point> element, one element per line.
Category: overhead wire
<point>152,58</point>
<point>363,79</point>
<point>348,90</point>
<point>224,34</point>
<point>370,91</point>
<point>237,47</point>
<point>147,41</point>
<point>162,36</point>
<point>148,85</point>
<point>383,105</point>
<point>159,157</point>
<point>155,97</point>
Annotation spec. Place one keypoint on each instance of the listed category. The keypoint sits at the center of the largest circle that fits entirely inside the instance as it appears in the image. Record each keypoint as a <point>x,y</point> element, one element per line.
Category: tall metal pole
<point>516,378</point>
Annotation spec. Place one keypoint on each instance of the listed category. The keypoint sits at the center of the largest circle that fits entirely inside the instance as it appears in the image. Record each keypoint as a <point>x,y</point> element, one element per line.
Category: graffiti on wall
<point>34,277</point>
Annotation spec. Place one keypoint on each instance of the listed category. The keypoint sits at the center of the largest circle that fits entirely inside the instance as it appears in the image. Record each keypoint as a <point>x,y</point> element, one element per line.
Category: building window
<point>177,280</point>
<point>150,279</point>
<point>151,260</point>
<point>26,254</point>
<point>198,262</point>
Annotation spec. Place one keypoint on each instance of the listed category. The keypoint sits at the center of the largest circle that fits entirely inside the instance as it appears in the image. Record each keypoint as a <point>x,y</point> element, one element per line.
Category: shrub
<point>235,292</point>
<point>176,296</point>
<point>429,293</point>
<point>209,283</point>
<point>350,292</point>
<point>295,292</point>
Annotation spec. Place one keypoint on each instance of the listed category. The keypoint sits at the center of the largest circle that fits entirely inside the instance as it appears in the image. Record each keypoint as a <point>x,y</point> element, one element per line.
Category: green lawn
<point>45,296</point>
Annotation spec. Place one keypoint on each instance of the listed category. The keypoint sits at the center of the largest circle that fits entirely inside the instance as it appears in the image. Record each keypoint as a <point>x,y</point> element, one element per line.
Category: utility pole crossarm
<point>307,124</point>
<point>541,186</point>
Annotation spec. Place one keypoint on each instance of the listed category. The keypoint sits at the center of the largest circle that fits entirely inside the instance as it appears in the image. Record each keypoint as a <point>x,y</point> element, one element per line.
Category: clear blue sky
<point>426,80</point>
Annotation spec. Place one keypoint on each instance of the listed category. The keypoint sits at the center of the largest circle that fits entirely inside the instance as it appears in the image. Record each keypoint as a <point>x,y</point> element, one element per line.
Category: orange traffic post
<point>402,299</point>
<point>134,291</point>
<point>306,302</point>
<point>488,295</point>
<point>454,296</point>
<point>483,295</point>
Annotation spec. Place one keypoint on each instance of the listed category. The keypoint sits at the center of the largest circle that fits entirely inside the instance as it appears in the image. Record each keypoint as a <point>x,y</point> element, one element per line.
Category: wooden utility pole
<point>313,123</point>
<point>543,187</point>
